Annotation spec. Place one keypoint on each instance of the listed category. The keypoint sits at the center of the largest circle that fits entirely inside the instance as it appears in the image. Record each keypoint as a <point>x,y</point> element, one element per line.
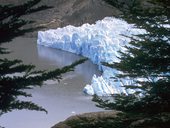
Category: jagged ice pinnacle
<point>100,42</point>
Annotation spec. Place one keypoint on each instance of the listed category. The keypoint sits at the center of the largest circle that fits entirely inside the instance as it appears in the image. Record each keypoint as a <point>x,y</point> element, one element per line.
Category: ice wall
<point>100,42</point>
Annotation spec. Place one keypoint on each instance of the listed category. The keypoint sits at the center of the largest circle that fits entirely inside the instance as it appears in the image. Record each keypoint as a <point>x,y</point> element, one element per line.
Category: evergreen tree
<point>15,76</point>
<point>147,59</point>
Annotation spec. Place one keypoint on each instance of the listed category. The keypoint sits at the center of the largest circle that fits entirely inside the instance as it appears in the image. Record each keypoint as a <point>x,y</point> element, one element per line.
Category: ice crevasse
<point>100,42</point>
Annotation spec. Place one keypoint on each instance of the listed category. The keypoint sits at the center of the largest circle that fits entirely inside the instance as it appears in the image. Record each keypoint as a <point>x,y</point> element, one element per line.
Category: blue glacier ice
<point>100,42</point>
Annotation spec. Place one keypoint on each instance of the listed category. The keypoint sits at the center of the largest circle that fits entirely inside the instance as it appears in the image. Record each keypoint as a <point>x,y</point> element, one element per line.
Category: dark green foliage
<point>16,77</point>
<point>147,59</point>
<point>150,60</point>
<point>11,22</point>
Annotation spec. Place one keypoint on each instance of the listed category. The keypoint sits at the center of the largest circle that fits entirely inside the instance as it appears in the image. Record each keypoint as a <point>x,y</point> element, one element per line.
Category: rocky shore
<point>85,118</point>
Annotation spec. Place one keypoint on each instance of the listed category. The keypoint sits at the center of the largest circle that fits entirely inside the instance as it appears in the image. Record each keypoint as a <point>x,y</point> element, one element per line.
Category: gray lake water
<point>61,100</point>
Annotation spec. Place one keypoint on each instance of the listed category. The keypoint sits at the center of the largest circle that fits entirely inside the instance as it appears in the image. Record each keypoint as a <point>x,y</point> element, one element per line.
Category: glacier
<point>100,42</point>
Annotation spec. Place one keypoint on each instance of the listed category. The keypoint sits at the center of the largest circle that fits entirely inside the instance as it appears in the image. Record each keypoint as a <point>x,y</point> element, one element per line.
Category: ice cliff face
<point>100,42</point>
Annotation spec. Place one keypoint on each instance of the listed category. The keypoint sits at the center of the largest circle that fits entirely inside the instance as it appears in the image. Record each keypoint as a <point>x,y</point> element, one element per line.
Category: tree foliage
<point>11,19</point>
<point>16,77</point>
<point>147,63</point>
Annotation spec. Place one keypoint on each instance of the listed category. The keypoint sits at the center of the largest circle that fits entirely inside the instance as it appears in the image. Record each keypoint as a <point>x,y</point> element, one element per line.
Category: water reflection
<point>63,58</point>
<point>62,99</point>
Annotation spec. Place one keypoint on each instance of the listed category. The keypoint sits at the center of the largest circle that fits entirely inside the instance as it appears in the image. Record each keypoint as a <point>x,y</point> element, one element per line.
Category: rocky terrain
<point>87,118</point>
<point>68,12</point>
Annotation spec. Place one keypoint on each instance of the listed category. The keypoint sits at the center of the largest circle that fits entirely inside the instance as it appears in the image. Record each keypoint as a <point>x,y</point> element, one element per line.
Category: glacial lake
<point>62,99</point>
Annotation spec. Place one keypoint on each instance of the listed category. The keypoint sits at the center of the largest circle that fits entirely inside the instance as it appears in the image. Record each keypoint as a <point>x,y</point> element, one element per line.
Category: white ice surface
<point>100,42</point>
